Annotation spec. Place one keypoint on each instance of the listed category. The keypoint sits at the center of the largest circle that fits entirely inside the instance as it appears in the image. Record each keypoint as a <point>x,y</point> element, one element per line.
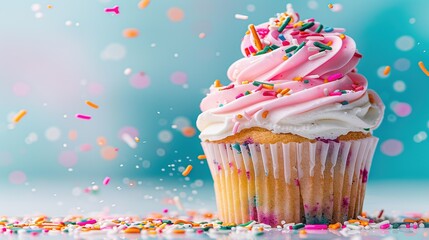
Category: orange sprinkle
<point>187,170</point>
<point>386,70</point>
<point>330,5</point>
<point>353,221</point>
<point>180,221</point>
<point>239,116</point>
<point>50,6</point>
<point>298,24</point>
<point>179,231</point>
<point>267,86</point>
<point>302,232</point>
<point>91,104</point>
<point>329,43</point>
<point>132,230</point>
<point>256,37</point>
<point>335,226</point>
<point>143,4</point>
<point>265,114</point>
<point>297,78</point>
<point>342,36</point>
<point>217,83</point>
<point>130,33</point>
<point>201,157</point>
<point>285,58</point>
<point>423,68</point>
<point>285,91</point>
<point>19,116</point>
<point>136,139</point>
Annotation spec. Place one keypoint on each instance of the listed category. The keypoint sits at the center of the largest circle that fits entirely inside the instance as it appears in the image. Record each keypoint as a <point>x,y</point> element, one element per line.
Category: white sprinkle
<point>316,38</point>
<point>317,55</point>
<point>354,227</point>
<point>129,140</point>
<point>363,218</point>
<point>241,17</point>
<point>339,30</point>
<point>313,49</point>
<point>325,91</point>
<point>313,76</point>
<point>295,42</point>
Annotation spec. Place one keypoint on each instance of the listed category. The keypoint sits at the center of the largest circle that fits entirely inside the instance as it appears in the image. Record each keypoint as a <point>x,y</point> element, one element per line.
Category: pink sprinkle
<point>335,93</point>
<point>235,128</point>
<point>81,116</point>
<point>239,96</point>
<point>114,9</point>
<point>415,226</point>
<point>385,226</point>
<point>269,93</point>
<point>252,49</point>
<point>335,76</point>
<point>294,33</point>
<point>285,43</point>
<point>310,20</point>
<point>258,88</point>
<point>165,210</point>
<point>228,87</point>
<point>316,226</point>
<point>199,231</point>
<point>407,225</point>
<point>106,180</point>
<point>360,88</point>
<point>92,221</point>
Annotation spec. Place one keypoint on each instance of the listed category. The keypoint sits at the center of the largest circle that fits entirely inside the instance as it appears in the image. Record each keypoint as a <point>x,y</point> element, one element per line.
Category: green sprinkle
<point>300,46</point>
<point>306,81</point>
<point>166,221</point>
<point>344,102</point>
<point>366,129</point>
<point>306,26</point>
<point>298,226</point>
<point>263,51</point>
<point>319,28</point>
<point>291,49</point>
<point>274,47</point>
<point>246,224</point>
<point>284,24</point>
<point>221,105</point>
<point>322,46</point>
<point>259,233</point>
<point>237,147</point>
<point>247,93</point>
<point>225,227</point>
<point>256,83</point>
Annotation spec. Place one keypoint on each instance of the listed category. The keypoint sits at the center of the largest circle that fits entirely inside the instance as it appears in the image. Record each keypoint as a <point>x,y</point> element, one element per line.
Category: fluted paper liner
<point>320,182</point>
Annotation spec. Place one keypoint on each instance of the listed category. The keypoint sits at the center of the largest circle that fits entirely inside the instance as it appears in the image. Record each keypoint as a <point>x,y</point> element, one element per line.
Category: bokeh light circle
<point>113,52</point>
<point>251,8</point>
<point>72,135</point>
<point>179,78</point>
<point>68,158</point>
<point>175,14</point>
<point>392,147</point>
<point>21,89</point>
<point>53,134</point>
<point>399,86</point>
<point>180,122</point>
<point>402,109</point>
<point>140,80</point>
<point>405,43</point>
<point>312,4</point>
<point>165,136</point>
<point>95,89</point>
<point>108,153</point>
<point>402,64</point>
<point>189,131</point>
<point>380,72</point>
<point>17,177</point>
<point>101,141</point>
<point>86,147</point>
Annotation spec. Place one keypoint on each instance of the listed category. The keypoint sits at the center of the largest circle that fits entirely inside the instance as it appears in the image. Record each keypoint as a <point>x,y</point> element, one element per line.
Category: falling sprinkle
<point>201,157</point>
<point>91,104</point>
<point>187,170</point>
<point>143,4</point>
<point>137,139</point>
<point>330,6</point>
<point>106,180</point>
<point>423,68</point>
<point>85,117</point>
<point>386,70</point>
<point>18,116</point>
<point>114,10</point>
<point>241,17</point>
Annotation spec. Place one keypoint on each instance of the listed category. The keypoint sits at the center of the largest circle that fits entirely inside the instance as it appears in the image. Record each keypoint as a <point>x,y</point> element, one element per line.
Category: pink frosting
<point>319,75</point>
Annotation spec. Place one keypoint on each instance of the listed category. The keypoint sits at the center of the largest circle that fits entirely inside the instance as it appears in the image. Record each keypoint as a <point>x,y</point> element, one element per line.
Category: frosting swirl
<point>296,77</point>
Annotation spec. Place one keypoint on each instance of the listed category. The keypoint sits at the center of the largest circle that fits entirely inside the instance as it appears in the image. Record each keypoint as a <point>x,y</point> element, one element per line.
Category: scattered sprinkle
<point>265,114</point>
<point>256,39</point>
<point>241,17</point>
<point>423,68</point>
<point>386,70</point>
<point>91,104</point>
<point>130,33</point>
<point>19,115</point>
<point>187,170</point>
<point>85,117</point>
<point>114,10</point>
<point>143,4</point>
<point>106,180</point>
<point>201,157</point>
<point>330,5</point>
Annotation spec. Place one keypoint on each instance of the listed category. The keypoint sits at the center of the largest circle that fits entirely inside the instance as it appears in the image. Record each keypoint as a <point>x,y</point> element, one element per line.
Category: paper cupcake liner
<point>319,182</point>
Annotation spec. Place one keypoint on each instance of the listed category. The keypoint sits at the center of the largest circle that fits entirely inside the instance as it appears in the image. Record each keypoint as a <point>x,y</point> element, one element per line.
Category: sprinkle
<point>358,55</point>
<point>306,81</point>
<point>335,76</point>
<point>114,9</point>
<point>316,38</point>
<point>281,37</point>
<point>217,83</point>
<point>201,157</point>
<point>319,28</point>
<point>137,139</point>
<point>265,114</point>
<point>385,226</point>
<point>269,93</point>
<point>298,226</point>
<point>300,46</point>
<point>328,29</point>
<point>227,87</point>
<point>143,4</point>
<point>284,24</point>
<point>322,46</point>
<point>85,117</point>
<point>285,91</point>
<point>235,128</point>
<point>285,58</point>
<point>241,17</point>
<point>317,55</point>
<point>342,36</point>
<point>382,210</point>
<point>335,226</point>
<point>288,50</point>
<point>263,51</point>
<point>313,76</point>
<point>239,96</point>
<point>306,26</point>
<point>273,47</point>
<point>106,180</point>
<point>297,78</point>
<point>329,43</point>
<point>244,82</point>
<point>247,51</point>
<point>302,232</point>
<point>423,68</point>
<point>255,37</point>
<point>91,104</point>
<point>386,70</point>
<point>330,5</point>
<point>285,43</point>
<point>187,170</point>
<point>252,49</point>
<point>18,116</point>
<point>264,85</point>
<point>335,93</point>
<point>316,226</point>
<point>298,24</point>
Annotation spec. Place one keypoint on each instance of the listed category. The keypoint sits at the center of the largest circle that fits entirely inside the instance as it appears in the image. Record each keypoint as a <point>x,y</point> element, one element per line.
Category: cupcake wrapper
<point>319,182</point>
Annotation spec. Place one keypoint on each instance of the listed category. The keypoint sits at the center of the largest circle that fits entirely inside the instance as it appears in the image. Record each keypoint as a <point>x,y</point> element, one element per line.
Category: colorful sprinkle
<point>306,26</point>
<point>18,116</point>
<point>335,76</point>
<point>265,114</point>
<point>330,5</point>
<point>241,17</point>
<point>106,180</point>
<point>91,104</point>
<point>322,46</point>
<point>386,70</point>
<point>288,50</point>
<point>317,55</point>
<point>201,157</point>
<point>85,117</point>
<point>299,47</point>
<point>187,170</point>
<point>143,4</point>
<point>114,10</point>
<point>423,68</point>
<point>284,24</point>
<point>255,35</point>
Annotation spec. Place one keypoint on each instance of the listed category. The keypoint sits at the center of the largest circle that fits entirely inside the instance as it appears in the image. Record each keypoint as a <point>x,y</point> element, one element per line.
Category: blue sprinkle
<point>282,37</point>
<point>221,105</point>
<point>306,81</point>
<point>328,29</point>
<point>236,146</point>
<point>289,55</point>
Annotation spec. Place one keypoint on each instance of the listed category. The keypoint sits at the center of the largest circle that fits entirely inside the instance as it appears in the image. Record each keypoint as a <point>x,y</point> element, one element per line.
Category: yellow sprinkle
<point>298,24</point>
<point>423,68</point>
<point>217,83</point>
<point>50,6</point>
<point>239,116</point>
<point>342,36</point>
<point>19,116</point>
<point>386,70</point>
<point>330,5</point>
<point>285,58</point>
<point>303,232</point>
<point>297,78</point>
<point>91,104</point>
<point>136,139</point>
<point>335,226</point>
<point>285,91</point>
<point>267,86</point>
<point>187,170</point>
<point>265,114</point>
<point>244,82</point>
<point>202,157</point>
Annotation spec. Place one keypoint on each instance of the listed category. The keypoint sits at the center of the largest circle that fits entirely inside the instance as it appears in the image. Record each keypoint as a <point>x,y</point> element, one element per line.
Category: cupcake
<point>290,138</point>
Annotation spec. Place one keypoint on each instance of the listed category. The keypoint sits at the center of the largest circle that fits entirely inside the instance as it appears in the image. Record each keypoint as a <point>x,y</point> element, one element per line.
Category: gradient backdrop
<point>55,55</point>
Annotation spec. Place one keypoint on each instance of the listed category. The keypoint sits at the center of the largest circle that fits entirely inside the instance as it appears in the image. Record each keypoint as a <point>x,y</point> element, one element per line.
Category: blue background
<point>50,69</point>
